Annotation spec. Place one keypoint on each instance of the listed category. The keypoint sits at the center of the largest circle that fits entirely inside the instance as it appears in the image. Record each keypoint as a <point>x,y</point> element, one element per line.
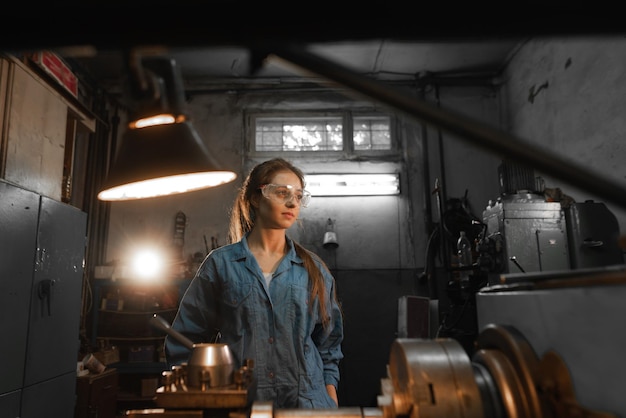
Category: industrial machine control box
<point>533,233</point>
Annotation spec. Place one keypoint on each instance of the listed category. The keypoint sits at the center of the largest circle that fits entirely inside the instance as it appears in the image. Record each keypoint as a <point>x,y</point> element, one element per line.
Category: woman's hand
<point>332,392</point>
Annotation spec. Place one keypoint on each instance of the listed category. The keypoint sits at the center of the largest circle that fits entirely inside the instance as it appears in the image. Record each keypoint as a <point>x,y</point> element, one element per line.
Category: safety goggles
<point>283,193</point>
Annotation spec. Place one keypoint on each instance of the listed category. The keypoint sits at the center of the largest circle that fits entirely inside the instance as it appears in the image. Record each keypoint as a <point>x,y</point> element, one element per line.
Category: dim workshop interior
<point>467,193</point>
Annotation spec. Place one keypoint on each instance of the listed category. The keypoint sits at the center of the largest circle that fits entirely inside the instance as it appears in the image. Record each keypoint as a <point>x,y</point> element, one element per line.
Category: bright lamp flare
<point>162,119</point>
<point>164,186</point>
<point>147,264</point>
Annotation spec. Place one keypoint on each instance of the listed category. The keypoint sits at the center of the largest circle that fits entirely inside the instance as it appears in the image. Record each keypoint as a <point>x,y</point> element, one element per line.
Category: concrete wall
<point>361,223</point>
<point>579,114</point>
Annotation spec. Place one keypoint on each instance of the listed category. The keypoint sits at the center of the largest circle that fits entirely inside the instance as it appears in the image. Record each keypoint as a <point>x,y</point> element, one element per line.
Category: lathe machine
<point>550,346</point>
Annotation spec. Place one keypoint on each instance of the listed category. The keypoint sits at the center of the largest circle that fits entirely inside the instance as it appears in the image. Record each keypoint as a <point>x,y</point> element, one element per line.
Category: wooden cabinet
<point>122,320</point>
<point>38,129</point>
<point>96,395</point>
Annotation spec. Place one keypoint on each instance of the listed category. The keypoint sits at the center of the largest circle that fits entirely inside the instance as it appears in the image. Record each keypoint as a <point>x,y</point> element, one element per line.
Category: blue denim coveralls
<point>294,357</point>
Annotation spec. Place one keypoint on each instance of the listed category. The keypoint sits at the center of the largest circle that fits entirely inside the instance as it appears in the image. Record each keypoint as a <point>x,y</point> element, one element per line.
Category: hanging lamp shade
<point>161,153</point>
<point>162,160</point>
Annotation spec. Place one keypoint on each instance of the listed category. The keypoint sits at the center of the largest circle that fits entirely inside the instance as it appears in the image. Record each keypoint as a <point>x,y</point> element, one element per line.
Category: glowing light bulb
<point>147,264</point>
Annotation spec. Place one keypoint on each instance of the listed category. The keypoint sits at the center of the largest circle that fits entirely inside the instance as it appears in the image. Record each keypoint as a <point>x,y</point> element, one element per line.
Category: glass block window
<point>311,134</point>
<point>371,133</point>
<point>299,134</point>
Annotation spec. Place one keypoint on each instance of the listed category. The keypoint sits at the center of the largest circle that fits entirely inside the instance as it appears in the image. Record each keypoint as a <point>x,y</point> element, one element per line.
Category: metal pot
<point>209,365</point>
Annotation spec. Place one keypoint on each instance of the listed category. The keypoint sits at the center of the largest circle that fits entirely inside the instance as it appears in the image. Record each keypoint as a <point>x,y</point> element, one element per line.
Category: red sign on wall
<point>55,67</point>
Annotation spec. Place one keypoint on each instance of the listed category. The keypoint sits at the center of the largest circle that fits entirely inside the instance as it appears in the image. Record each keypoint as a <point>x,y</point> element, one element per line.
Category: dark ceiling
<point>116,24</point>
<point>218,44</point>
<point>383,60</point>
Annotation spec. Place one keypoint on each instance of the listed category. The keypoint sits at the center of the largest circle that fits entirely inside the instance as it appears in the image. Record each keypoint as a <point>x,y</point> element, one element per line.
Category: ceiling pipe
<point>480,134</point>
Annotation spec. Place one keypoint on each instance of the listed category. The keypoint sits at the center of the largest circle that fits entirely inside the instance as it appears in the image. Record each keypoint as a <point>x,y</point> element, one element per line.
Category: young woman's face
<point>279,205</point>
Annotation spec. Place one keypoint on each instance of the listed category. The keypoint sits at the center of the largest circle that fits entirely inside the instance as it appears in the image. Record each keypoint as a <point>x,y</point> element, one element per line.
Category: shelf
<point>139,301</point>
<point>123,321</point>
<point>131,339</point>
<point>132,397</point>
<point>146,312</point>
<point>117,324</point>
<point>139,367</point>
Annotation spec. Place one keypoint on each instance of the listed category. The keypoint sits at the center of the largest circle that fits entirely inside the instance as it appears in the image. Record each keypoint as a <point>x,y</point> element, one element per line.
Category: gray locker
<point>19,210</point>
<point>42,244</point>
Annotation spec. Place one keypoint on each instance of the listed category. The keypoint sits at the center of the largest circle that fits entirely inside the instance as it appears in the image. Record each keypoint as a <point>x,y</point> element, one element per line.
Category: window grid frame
<point>325,134</point>
<point>347,120</point>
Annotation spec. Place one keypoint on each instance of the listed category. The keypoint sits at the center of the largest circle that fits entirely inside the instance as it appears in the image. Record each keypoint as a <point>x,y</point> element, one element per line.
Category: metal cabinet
<point>534,232</point>
<point>97,395</point>
<point>593,234</point>
<point>18,227</point>
<point>42,247</point>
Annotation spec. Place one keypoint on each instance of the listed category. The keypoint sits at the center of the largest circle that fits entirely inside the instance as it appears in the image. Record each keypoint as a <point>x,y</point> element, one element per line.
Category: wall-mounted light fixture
<point>353,184</point>
<point>330,236</point>
<point>161,153</point>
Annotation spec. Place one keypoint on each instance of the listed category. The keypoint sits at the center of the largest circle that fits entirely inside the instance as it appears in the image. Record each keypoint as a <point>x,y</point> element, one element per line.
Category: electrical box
<point>533,231</point>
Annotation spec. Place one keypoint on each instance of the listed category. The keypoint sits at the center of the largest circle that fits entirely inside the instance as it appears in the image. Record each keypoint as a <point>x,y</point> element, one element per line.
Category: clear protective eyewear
<point>283,193</point>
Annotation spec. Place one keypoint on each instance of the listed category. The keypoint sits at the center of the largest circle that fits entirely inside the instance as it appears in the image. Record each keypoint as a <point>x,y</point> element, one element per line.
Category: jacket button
<point>270,340</point>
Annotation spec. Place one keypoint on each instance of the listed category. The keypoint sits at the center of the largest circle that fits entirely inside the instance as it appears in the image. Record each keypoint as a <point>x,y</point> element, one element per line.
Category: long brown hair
<point>243,216</point>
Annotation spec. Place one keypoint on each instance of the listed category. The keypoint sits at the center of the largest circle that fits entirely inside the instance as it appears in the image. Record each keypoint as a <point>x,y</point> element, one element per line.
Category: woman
<point>268,298</point>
